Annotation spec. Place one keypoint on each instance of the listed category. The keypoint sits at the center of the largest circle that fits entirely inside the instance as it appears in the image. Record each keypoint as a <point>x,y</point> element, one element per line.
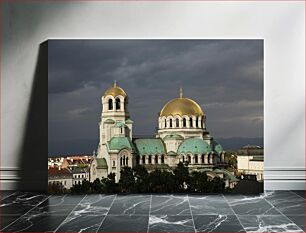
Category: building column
<point>194,122</point>
<point>199,122</point>
<point>206,159</point>
<point>211,159</point>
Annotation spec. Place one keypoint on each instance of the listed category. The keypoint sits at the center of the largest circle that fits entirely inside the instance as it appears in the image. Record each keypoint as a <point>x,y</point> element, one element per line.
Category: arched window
<point>110,104</point>
<point>150,159</point>
<point>189,159</point>
<point>143,159</point>
<point>202,158</point>
<point>127,161</point>
<point>165,123</point>
<point>184,122</point>
<point>195,159</point>
<point>196,123</point>
<point>177,123</point>
<point>162,159</point>
<point>156,159</point>
<point>117,104</point>
<point>190,121</point>
<point>183,159</point>
<point>170,123</point>
<point>120,161</point>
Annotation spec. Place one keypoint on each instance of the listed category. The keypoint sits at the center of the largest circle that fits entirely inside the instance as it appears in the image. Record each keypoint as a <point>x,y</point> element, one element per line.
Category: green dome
<point>118,143</point>
<point>194,146</point>
<point>218,147</point>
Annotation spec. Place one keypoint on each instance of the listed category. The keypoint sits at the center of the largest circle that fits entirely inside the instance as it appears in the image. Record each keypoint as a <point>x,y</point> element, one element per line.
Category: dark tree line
<point>139,180</point>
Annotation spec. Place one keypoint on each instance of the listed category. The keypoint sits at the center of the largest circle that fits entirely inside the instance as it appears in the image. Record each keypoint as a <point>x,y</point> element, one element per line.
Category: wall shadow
<point>34,151</point>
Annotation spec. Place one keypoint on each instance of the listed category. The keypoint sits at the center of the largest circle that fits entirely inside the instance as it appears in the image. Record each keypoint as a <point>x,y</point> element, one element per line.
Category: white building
<point>182,137</point>
<point>79,174</point>
<point>62,176</point>
<point>250,161</point>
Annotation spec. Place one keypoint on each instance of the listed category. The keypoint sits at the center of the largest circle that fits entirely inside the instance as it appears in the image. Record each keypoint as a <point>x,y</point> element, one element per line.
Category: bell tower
<point>115,119</point>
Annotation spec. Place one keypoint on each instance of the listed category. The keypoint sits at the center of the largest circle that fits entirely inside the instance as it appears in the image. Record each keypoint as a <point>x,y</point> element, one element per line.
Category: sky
<point>225,77</point>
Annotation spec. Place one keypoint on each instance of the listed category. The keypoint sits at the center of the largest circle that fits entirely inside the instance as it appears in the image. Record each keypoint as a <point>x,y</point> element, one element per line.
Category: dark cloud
<point>224,76</point>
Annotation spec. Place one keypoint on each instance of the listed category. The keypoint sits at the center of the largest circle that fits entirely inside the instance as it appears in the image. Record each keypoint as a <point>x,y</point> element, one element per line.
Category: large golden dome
<point>182,106</point>
<point>115,91</point>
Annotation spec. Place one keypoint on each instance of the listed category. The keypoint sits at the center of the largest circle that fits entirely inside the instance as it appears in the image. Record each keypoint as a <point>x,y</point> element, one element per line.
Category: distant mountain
<point>236,142</point>
<point>86,146</point>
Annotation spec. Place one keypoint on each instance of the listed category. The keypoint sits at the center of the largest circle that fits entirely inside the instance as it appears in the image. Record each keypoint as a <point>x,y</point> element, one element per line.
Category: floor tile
<point>128,223</point>
<point>36,223</point>
<point>286,202</point>
<point>209,205</point>
<point>81,223</point>
<point>301,193</point>
<point>250,205</point>
<point>95,204</point>
<point>130,204</point>
<point>298,220</point>
<point>217,223</point>
<point>20,203</point>
<point>6,220</point>
<point>170,205</point>
<point>164,223</point>
<point>5,194</point>
<point>57,205</point>
<point>273,223</point>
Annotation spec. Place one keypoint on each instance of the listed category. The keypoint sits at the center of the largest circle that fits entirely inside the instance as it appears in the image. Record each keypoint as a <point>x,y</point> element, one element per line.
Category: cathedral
<point>182,136</point>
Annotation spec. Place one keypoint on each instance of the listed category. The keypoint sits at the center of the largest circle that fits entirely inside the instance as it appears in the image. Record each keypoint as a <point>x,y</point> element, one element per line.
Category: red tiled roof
<point>55,171</point>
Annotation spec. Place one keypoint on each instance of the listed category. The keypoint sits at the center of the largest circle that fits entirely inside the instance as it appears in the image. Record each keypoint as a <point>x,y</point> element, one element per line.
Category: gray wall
<point>23,80</point>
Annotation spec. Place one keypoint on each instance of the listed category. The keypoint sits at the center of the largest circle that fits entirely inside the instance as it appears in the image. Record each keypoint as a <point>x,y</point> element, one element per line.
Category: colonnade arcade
<point>181,122</point>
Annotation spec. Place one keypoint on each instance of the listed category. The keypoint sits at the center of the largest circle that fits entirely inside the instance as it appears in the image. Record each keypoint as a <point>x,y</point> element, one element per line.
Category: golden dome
<point>182,106</point>
<point>115,91</point>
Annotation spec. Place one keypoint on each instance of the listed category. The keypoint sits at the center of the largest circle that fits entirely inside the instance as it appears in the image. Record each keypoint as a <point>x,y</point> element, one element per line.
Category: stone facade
<point>181,137</point>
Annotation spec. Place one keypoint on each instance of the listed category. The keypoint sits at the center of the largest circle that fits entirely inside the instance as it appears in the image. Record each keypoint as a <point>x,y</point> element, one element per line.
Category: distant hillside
<point>82,146</point>
<point>237,143</point>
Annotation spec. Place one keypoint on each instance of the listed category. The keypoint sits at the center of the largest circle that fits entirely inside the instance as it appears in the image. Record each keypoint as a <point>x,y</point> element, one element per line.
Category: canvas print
<point>155,116</point>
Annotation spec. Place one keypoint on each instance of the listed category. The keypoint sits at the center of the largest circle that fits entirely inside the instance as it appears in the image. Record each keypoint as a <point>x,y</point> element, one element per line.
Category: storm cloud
<point>224,76</point>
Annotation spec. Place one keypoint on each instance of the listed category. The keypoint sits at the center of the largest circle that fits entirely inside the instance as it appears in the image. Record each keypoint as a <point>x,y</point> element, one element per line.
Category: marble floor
<point>280,211</point>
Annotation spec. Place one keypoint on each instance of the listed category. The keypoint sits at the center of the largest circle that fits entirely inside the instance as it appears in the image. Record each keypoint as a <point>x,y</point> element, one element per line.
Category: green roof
<point>171,153</point>
<point>150,146</point>
<point>218,148</point>
<point>109,121</point>
<point>119,143</point>
<point>119,124</point>
<point>228,174</point>
<point>173,136</point>
<point>194,146</point>
<point>128,121</point>
<point>101,163</point>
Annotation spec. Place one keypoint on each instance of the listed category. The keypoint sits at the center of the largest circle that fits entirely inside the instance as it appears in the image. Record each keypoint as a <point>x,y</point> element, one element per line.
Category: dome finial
<point>115,83</point>
<point>181,92</point>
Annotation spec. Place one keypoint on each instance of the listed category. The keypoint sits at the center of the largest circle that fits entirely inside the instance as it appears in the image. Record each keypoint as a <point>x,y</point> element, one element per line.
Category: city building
<point>79,174</point>
<point>182,136</point>
<point>62,176</point>
<point>250,161</point>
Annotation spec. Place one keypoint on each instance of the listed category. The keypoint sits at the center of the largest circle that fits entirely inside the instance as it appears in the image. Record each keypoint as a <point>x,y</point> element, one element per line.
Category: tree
<point>97,186</point>
<point>127,180</point>
<point>216,185</point>
<point>141,179</point>
<point>198,182</point>
<point>109,184</point>
<point>181,174</point>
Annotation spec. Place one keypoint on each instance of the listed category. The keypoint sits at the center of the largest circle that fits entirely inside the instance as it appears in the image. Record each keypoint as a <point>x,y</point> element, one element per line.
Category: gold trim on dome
<point>182,106</point>
<point>115,91</point>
